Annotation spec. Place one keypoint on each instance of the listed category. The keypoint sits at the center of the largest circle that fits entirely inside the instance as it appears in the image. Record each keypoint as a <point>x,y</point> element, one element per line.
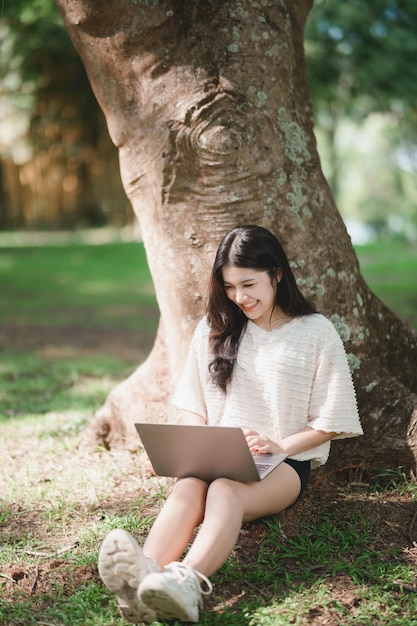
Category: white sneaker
<point>122,566</point>
<point>175,593</point>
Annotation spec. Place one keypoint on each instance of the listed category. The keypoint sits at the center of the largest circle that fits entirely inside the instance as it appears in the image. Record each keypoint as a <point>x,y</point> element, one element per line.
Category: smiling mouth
<point>249,307</point>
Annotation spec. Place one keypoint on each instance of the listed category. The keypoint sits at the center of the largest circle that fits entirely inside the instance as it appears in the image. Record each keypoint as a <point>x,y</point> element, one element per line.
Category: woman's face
<point>252,291</point>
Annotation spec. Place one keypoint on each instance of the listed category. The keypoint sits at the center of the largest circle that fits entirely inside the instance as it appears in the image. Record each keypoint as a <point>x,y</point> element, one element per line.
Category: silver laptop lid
<point>206,452</point>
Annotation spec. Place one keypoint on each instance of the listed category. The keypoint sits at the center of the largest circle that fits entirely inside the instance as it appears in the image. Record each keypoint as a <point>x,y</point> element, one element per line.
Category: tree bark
<point>208,104</point>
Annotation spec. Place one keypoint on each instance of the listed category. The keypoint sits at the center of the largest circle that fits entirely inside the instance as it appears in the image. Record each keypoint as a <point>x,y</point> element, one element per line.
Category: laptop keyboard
<point>262,467</point>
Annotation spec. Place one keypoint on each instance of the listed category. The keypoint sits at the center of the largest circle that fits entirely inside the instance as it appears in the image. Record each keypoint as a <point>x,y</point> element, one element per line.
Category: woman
<point>264,360</point>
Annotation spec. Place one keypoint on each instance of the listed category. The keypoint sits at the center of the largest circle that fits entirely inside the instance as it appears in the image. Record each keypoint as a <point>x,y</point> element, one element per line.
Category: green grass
<point>338,567</point>
<point>343,562</point>
<point>32,384</point>
<point>102,286</point>
<point>109,285</point>
<point>390,269</point>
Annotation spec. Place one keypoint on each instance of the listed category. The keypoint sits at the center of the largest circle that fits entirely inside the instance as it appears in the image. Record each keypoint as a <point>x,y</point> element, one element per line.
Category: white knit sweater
<point>284,380</point>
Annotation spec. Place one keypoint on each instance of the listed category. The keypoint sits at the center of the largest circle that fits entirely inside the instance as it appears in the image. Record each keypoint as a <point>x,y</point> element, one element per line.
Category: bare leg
<point>230,503</point>
<point>175,524</point>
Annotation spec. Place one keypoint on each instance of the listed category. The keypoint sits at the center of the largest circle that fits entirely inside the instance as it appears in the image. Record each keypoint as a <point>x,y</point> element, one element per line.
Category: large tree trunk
<point>208,104</point>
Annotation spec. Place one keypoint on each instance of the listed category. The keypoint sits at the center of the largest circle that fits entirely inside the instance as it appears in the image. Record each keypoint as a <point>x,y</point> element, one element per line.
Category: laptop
<point>206,452</point>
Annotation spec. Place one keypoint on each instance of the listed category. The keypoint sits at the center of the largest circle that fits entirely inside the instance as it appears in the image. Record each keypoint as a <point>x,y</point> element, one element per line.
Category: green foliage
<point>361,60</point>
<point>44,76</point>
<point>33,37</point>
<point>361,55</point>
<point>38,28</point>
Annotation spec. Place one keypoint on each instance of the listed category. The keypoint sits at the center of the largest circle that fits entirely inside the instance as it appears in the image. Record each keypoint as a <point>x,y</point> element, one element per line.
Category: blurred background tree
<point>58,168</point>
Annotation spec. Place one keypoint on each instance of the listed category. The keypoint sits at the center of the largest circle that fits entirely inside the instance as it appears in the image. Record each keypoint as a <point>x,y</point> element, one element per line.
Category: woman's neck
<point>277,319</point>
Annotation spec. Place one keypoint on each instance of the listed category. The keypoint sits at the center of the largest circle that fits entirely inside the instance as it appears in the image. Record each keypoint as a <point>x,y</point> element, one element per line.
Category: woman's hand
<point>260,444</point>
<point>305,439</point>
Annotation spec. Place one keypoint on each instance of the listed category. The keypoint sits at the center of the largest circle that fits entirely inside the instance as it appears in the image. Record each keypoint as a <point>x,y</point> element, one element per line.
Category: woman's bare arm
<point>305,439</point>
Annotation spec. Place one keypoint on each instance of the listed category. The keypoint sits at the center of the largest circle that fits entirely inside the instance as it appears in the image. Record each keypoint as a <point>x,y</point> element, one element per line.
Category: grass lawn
<point>75,319</point>
<point>390,269</point>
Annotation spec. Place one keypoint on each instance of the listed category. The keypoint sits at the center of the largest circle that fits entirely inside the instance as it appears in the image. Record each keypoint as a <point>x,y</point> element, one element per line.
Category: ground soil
<point>348,488</point>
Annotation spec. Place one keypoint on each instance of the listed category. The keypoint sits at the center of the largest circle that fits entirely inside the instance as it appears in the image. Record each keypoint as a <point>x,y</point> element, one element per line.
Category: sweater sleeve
<point>333,405</point>
<point>189,394</point>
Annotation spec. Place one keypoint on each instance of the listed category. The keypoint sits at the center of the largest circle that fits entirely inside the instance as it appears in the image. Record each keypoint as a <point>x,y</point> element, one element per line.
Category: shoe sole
<point>165,606</point>
<point>122,567</point>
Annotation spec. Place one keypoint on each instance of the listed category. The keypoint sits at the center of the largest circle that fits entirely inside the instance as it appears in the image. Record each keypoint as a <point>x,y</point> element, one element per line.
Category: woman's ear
<point>279,275</point>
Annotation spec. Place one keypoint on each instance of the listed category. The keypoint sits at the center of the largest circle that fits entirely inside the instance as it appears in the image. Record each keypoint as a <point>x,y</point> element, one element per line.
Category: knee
<point>191,490</point>
<point>191,487</point>
<point>225,490</point>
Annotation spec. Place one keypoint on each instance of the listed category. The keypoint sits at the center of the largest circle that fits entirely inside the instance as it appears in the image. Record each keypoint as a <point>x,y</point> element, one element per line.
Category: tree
<point>208,104</point>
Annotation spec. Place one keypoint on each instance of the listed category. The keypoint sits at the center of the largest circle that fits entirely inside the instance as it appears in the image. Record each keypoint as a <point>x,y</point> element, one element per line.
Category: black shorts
<point>303,470</point>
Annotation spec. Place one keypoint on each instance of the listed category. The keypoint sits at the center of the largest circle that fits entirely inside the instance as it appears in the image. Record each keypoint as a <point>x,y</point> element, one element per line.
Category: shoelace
<point>182,571</point>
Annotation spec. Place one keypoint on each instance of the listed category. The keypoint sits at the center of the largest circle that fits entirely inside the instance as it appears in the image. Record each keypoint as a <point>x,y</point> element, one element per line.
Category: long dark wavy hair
<point>256,248</point>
